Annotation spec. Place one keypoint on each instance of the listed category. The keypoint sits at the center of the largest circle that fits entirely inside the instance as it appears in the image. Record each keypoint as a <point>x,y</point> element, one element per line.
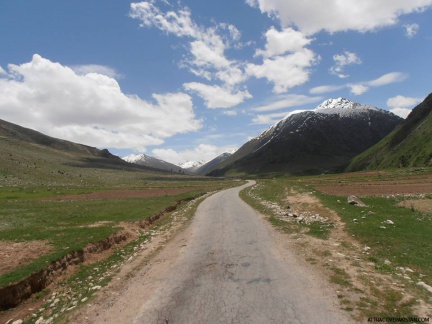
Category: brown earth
<point>18,254</point>
<point>122,194</point>
<point>421,205</point>
<point>373,184</point>
<point>375,189</point>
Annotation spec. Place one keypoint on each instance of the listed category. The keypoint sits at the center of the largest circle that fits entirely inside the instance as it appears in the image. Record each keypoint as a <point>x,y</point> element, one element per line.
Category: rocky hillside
<point>410,145</point>
<point>312,142</point>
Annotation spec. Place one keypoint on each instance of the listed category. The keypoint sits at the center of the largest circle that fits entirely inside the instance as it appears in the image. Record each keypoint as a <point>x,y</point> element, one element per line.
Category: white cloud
<point>285,72</point>
<point>401,105</point>
<point>411,30</point>
<point>216,96</point>
<point>281,42</point>
<point>269,119</point>
<point>343,60</point>
<point>91,108</point>
<point>335,15</point>
<point>385,79</point>
<point>95,68</point>
<point>287,101</point>
<point>206,48</point>
<point>2,71</point>
<point>204,152</point>
<point>326,89</point>
<point>388,78</point>
<point>401,112</point>
<point>358,89</point>
<point>230,112</point>
<point>401,101</point>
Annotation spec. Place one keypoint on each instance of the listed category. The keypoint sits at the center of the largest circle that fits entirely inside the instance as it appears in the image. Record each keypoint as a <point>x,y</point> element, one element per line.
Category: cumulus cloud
<point>358,89</point>
<point>343,60</point>
<point>401,105</point>
<point>206,48</point>
<point>286,60</point>
<point>90,108</point>
<point>204,152</point>
<point>285,72</point>
<point>401,101</point>
<point>95,68</point>
<point>216,96</point>
<point>401,112</point>
<point>335,16</point>
<point>287,101</point>
<point>281,42</point>
<point>411,30</point>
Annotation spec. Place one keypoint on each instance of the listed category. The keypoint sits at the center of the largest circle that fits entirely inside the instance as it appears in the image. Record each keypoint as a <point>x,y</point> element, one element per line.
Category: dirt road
<point>228,266</point>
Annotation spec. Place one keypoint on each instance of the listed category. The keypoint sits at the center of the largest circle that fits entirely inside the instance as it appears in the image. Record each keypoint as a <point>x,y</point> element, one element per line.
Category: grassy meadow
<point>34,178</point>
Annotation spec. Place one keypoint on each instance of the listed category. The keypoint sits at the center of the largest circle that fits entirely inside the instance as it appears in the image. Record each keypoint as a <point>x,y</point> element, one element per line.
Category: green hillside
<point>409,145</point>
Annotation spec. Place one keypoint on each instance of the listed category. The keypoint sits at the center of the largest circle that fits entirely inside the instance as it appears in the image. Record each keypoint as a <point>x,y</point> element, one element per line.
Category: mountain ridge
<point>409,145</point>
<point>312,141</point>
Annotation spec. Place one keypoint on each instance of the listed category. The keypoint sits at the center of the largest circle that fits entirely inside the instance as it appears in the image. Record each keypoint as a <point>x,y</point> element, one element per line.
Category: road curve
<point>231,272</point>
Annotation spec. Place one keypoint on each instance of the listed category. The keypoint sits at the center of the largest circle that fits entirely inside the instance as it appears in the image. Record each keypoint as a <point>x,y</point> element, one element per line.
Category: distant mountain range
<point>149,161</point>
<point>311,142</point>
<point>337,135</point>
<point>29,157</point>
<point>409,145</point>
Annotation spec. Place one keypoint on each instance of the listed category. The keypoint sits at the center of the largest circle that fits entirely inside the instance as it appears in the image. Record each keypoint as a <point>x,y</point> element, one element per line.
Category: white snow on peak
<point>192,165</point>
<point>342,107</point>
<point>133,158</point>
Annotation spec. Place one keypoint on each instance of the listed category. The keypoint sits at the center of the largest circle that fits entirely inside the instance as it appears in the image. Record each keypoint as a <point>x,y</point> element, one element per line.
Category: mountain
<point>192,166</point>
<point>409,145</point>
<point>206,167</point>
<point>312,142</point>
<point>30,158</point>
<point>20,133</point>
<point>149,161</point>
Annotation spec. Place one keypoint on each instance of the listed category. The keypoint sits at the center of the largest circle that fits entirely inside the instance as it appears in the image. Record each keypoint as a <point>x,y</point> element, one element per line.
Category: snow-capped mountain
<point>313,141</point>
<point>152,162</point>
<point>206,167</point>
<point>192,166</point>
<point>343,107</point>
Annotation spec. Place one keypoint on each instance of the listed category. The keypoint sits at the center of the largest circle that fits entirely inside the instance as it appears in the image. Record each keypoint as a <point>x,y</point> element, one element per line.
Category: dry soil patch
<point>18,254</point>
<point>421,205</point>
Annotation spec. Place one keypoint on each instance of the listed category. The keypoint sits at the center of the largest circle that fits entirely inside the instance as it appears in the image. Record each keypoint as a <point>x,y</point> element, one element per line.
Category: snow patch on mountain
<point>192,165</point>
<point>343,107</point>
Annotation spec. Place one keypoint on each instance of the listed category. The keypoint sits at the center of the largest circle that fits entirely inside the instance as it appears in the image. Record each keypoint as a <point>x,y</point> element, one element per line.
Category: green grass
<point>407,243</point>
<point>65,224</point>
<point>275,191</point>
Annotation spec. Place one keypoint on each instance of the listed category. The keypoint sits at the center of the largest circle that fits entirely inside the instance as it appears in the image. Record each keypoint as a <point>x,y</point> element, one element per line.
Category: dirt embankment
<point>15,293</point>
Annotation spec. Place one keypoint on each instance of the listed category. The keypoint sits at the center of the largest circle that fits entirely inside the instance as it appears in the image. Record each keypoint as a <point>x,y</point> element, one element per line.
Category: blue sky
<point>191,79</point>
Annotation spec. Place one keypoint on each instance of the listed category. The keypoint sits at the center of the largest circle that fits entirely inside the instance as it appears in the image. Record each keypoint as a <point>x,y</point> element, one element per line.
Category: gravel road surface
<point>229,265</point>
<point>231,272</point>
